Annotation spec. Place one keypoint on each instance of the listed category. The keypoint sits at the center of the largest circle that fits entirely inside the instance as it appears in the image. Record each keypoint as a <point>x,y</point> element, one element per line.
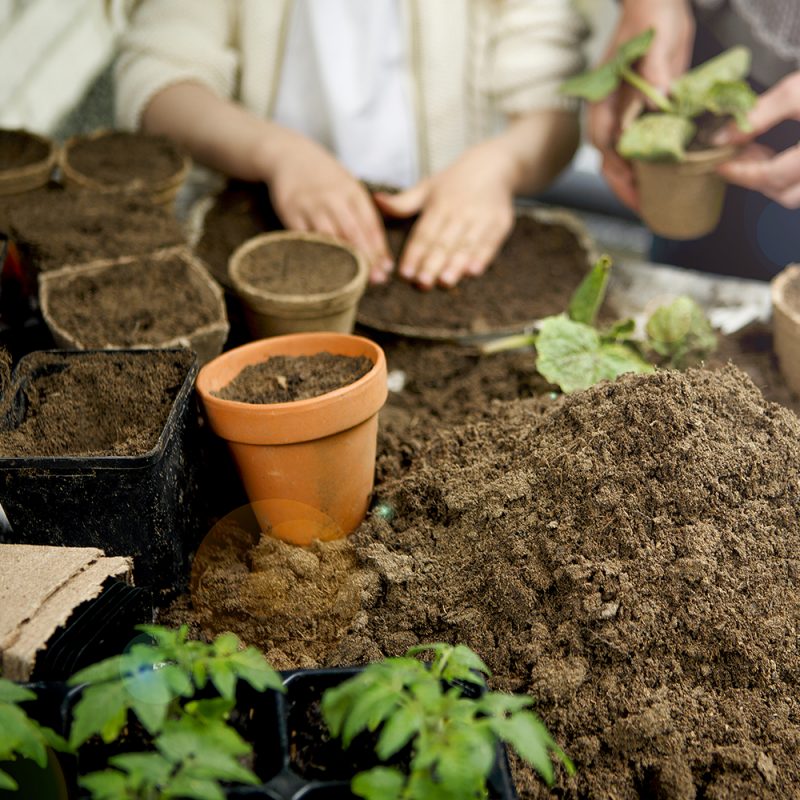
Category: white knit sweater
<point>472,60</point>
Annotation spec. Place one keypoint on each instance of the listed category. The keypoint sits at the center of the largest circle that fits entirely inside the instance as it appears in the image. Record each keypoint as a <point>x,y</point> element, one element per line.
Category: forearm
<point>217,132</point>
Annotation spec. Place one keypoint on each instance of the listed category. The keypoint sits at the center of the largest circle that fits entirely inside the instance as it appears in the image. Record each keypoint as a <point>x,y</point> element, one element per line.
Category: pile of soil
<point>112,404</point>
<point>143,302</point>
<point>19,149</point>
<point>285,379</point>
<point>53,227</point>
<point>119,158</point>
<point>628,556</point>
<point>298,267</point>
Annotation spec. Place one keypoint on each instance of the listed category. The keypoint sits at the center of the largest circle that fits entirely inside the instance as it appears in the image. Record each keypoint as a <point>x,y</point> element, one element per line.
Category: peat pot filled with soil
<point>786,323</point>
<point>98,449</point>
<point>133,163</point>
<point>294,282</point>
<point>165,299</point>
<point>300,415</point>
<point>26,161</point>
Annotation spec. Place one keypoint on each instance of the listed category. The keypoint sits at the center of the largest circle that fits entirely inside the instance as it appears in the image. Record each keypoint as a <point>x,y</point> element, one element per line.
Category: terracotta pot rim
<point>40,169</point>
<point>347,291</point>
<point>790,274</point>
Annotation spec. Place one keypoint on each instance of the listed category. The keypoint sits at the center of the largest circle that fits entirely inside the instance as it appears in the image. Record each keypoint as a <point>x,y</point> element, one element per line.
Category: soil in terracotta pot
<point>284,379</point>
<point>299,267</point>
<point>138,303</point>
<point>18,149</point>
<point>96,405</point>
<point>627,556</point>
<point>53,228</point>
<point>119,158</point>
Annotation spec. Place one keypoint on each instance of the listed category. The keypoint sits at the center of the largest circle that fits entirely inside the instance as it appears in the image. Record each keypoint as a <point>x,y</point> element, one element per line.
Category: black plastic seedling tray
<point>146,506</point>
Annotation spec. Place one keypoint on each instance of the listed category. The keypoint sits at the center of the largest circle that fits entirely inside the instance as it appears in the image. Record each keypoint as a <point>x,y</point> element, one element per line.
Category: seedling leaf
<point>680,332</point>
<point>380,783</point>
<point>588,297</point>
<point>657,137</point>
<point>691,89</point>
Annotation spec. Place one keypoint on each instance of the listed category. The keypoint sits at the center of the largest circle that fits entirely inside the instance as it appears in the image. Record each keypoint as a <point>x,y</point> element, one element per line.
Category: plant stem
<point>515,342</point>
<point>660,100</point>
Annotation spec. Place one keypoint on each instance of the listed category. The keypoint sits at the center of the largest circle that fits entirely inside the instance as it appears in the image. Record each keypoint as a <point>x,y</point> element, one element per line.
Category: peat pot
<point>307,466</point>
<point>115,161</point>
<point>786,323</point>
<point>682,200</point>
<point>130,495</point>
<point>292,282</point>
<point>26,161</point>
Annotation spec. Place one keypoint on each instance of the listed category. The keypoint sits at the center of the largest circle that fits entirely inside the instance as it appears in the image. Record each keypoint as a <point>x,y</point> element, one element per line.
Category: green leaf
<point>680,332</point>
<point>106,785</point>
<point>193,788</point>
<point>7,782</point>
<point>619,331</point>
<point>380,783</point>
<point>595,85</point>
<point>20,735</point>
<point>573,356</point>
<point>588,297</point>
<point>368,711</point>
<point>11,692</point>
<point>108,670</point>
<point>251,666</point>
<point>467,759</point>
<point>398,731</point>
<point>223,676</point>
<point>733,99</point>
<point>656,137</point>
<point>634,48</point>
<point>102,710</point>
<point>498,704</point>
<point>692,89</point>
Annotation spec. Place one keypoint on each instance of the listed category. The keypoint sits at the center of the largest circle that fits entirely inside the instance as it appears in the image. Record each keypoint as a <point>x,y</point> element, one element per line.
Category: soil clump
<point>98,405</point>
<point>53,228</point>
<point>285,379</point>
<point>135,303</point>
<point>19,149</point>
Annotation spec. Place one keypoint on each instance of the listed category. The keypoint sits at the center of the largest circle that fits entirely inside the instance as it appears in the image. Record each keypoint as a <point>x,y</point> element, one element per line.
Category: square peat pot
<point>309,765</point>
<point>147,505</point>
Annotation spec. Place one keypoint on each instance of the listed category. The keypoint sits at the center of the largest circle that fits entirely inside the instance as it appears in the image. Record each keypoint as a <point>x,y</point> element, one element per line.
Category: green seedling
<point>716,87</point>
<point>20,736</point>
<point>452,737</point>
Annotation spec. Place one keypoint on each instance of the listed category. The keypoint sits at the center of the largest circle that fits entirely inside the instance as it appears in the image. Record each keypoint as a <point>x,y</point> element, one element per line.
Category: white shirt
<point>345,82</point>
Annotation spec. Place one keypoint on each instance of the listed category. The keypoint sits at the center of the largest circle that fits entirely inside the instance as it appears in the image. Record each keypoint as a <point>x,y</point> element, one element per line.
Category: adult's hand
<point>776,175</point>
<point>466,213</point>
<point>669,56</point>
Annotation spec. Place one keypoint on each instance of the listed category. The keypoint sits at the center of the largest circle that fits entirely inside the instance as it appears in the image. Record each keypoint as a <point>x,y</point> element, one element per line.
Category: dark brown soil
<point>100,405</point>
<point>284,379</point>
<point>539,266</point>
<point>19,149</point>
<point>298,267</point>
<point>137,303</point>
<point>120,158</point>
<point>53,228</point>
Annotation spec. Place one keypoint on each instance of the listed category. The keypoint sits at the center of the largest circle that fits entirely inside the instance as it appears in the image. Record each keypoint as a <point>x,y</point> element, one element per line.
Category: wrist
<point>271,146</point>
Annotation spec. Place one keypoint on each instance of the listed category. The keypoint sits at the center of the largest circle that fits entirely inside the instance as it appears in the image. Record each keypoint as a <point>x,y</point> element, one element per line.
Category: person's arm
<point>757,167</point>
<point>467,209</point>
<point>668,57</point>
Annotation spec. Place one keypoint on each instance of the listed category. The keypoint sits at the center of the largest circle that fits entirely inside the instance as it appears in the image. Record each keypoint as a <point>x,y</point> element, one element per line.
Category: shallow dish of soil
<point>26,161</point>
<point>166,299</point>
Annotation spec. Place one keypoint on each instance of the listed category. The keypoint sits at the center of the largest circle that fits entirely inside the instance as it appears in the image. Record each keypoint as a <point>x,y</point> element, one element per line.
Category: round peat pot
<point>26,161</point>
<point>682,200</point>
<point>292,282</point>
<point>786,323</point>
<point>132,163</point>
<point>307,466</point>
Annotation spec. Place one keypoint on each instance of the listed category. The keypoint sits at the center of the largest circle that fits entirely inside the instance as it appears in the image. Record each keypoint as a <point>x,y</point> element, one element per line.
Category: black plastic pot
<point>146,506</point>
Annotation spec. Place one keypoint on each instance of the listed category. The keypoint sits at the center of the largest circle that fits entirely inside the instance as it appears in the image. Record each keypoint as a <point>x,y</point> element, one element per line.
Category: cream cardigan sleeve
<point>170,41</point>
<point>533,46</point>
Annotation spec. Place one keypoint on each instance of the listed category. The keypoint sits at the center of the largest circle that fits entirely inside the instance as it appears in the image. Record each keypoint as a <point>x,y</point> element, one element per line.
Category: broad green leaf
<point>108,670</point>
<point>380,783</point>
<point>588,297</point>
<point>20,735</point>
<point>691,89</point>
<point>189,787</point>
<point>11,692</point>
<point>368,711</point>
<point>399,729</point>
<point>574,357</point>
<point>106,785</point>
<point>635,48</point>
<point>466,762</point>
<point>251,666</point>
<point>223,677</point>
<point>529,737</point>
<point>656,137</point>
<point>226,644</point>
<point>102,710</point>
<point>681,332</point>
<point>595,85</point>
<point>733,99</point>
<point>498,704</point>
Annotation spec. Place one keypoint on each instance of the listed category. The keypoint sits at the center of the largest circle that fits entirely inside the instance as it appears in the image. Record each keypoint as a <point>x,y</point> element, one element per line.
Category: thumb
<point>406,203</point>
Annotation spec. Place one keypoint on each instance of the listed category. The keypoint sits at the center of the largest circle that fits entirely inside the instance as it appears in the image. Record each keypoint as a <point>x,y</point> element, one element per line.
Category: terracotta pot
<point>16,180</point>
<point>682,200</point>
<point>307,466</point>
<point>270,313</point>
<point>162,192</point>
<point>786,323</point>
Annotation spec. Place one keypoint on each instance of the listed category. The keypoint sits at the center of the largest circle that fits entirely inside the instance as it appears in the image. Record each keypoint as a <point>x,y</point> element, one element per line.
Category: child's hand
<point>311,191</point>
<point>466,213</point>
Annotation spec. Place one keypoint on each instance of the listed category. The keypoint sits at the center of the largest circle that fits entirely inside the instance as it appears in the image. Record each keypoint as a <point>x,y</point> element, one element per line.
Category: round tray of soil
<point>26,161</point>
<point>541,263</point>
<point>165,299</point>
<point>134,163</point>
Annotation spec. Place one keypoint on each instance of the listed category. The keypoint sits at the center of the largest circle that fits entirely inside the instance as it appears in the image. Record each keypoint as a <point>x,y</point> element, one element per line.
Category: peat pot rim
<point>300,420</point>
<point>695,162</point>
<point>17,180</point>
<point>780,283</point>
<point>335,299</point>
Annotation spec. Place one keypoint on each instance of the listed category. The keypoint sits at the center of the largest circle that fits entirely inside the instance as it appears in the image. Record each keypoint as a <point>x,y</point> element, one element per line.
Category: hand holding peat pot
<point>307,465</point>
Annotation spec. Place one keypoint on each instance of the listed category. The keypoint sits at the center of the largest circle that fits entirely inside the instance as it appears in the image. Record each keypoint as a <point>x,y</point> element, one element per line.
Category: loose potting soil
<point>299,267</point>
<point>18,149</point>
<point>98,405</point>
<point>141,302</point>
<point>628,556</point>
<point>284,379</point>
<point>119,158</point>
<point>53,227</point>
